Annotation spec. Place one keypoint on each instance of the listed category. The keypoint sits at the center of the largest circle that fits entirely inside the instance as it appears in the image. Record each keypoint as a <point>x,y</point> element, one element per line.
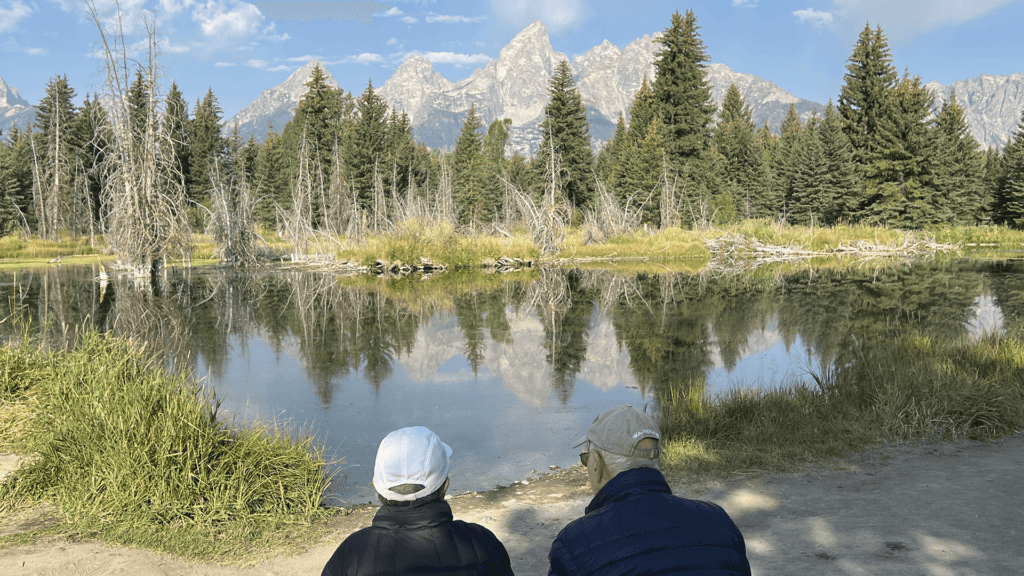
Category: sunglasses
<point>584,457</point>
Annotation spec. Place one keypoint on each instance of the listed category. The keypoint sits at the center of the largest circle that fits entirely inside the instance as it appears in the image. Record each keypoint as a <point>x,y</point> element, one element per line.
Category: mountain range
<point>514,85</point>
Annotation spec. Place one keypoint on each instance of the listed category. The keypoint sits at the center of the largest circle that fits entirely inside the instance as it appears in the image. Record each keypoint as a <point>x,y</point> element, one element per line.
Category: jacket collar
<point>423,515</point>
<point>628,484</point>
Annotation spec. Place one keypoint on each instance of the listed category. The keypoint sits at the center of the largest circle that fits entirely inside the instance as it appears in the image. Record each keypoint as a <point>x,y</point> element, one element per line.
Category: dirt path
<point>924,509</point>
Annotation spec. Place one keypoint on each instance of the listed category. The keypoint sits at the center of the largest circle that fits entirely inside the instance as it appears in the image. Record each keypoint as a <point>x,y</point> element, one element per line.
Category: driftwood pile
<point>730,249</point>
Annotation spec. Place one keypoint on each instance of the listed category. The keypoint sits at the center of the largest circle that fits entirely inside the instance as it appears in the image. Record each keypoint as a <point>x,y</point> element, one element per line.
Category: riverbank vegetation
<point>345,177</point>
<point>131,454</point>
<point>915,388</point>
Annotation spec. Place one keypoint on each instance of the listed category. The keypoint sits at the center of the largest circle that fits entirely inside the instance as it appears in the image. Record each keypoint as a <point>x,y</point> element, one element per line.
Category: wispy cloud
<point>455,58</point>
<point>557,15</point>
<point>393,41</point>
<point>224,64</point>
<point>745,3</point>
<point>446,19</point>
<point>227,20</point>
<point>409,20</point>
<point>256,63</point>
<point>812,16</point>
<point>9,17</point>
<point>904,20</point>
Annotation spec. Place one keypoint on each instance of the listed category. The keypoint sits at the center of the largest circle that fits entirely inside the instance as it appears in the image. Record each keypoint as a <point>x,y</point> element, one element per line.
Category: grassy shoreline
<point>443,244</point>
<point>134,455</point>
<point>917,388</point>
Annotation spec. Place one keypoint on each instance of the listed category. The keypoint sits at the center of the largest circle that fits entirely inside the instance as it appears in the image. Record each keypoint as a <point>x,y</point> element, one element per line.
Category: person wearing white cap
<point>634,525</point>
<point>413,532</point>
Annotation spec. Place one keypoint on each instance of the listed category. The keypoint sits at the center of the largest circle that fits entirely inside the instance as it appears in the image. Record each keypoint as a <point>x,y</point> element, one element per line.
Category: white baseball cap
<point>412,455</point>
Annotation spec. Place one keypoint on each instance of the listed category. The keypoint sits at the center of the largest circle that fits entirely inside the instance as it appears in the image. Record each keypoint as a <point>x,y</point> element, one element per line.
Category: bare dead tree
<point>143,210</point>
<point>232,218</point>
<point>547,222</point>
<point>299,220</point>
<point>669,207</point>
<point>444,206</point>
<point>608,219</point>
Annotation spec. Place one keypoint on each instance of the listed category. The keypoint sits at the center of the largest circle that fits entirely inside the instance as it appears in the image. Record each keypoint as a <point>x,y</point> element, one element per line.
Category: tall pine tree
<point>682,89</point>
<point>960,178</point>
<point>864,95</point>
<point>1010,193</point>
<point>208,146</point>
<point>734,140</point>
<point>566,130</point>
<point>472,204</point>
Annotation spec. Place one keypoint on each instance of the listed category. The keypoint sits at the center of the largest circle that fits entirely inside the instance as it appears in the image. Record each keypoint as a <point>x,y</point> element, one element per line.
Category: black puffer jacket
<point>419,539</point>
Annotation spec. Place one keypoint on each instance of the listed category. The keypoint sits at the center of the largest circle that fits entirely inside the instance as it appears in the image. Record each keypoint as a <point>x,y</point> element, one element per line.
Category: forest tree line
<point>884,154</point>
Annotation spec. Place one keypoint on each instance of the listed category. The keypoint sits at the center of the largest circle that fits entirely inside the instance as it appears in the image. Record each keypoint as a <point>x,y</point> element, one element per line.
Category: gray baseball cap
<point>618,430</point>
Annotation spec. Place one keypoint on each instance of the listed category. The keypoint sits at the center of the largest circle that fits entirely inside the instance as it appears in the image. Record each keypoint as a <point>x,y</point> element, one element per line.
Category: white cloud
<point>134,15</point>
<point>745,3</point>
<point>256,63</point>
<point>394,11</point>
<point>36,51</point>
<point>223,64</point>
<point>409,20</point>
<point>557,15</point>
<point>279,68</point>
<point>446,58</point>
<point>902,21</point>
<point>393,41</point>
<point>9,16</point>
<point>818,19</point>
<point>446,19</point>
<point>305,58</point>
<point>227,20</point>
<point>172,7</point>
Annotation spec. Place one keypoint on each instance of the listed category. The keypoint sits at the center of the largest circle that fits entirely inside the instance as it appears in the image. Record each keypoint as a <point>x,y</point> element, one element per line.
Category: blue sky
<point>236,49</point>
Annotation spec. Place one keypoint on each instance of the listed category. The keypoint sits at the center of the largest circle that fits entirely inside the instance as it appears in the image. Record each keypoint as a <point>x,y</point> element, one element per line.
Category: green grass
<point>917,388</point>
<point>16,247</point>
<point>662,245</point>
<point>133,455</point>
<point>416,294</point>
<point>439,243</point>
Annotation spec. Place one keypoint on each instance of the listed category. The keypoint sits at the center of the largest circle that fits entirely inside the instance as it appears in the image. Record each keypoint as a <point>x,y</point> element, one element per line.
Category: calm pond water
<point>508,369</point>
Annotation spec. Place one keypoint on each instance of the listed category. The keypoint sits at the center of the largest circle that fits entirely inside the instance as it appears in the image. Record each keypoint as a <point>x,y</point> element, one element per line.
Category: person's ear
<point>598,464</point>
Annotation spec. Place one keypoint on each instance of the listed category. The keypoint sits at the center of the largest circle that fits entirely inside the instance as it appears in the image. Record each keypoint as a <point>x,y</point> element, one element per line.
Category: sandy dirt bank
<point>932,509</point>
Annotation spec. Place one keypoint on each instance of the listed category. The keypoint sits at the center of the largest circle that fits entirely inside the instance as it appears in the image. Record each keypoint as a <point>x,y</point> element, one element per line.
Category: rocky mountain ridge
<point>993,105</point>
<point>14,110</point>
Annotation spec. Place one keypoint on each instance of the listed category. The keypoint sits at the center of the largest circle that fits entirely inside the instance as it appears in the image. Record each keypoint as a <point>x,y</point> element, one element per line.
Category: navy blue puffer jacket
<point>634,525</point>
<point>419,539</point>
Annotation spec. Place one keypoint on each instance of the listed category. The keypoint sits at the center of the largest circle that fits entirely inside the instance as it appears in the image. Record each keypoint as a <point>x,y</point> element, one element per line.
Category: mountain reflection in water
<point>507,369</point>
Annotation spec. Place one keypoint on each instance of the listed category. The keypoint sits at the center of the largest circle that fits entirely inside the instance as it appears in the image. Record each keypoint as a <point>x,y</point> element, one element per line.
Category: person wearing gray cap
<point>413,532</point>
<point>634,525</point>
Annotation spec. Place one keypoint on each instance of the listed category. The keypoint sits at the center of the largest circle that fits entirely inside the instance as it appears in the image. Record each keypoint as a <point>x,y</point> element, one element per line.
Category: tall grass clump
<point>17,247</point>
<point>138,456</point>
<point>439,242</point>
<point>914,388</point>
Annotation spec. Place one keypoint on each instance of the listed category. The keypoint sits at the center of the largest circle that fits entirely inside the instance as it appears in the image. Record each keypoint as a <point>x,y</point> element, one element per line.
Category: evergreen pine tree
<point>19,154</point>
<point>176,127</point>
<point>318,115</point>
<point>400,146</point>
<point>991,172</point>
<point>9,219</point>
<point>472,204</point>
<point>960,172</point>
<point>93,130</point>
<point>810,200</point>
<point>682,89</point>
<point>56,153</point>
<point>207,145</point>
<point>903,168</point>
<point>786,160</point>
<point>367,145</point>
<point>607,158</point>
<point>495,164</point>
<point>639,172</point>
<point>1010,197</point>
<point>768,204</point>
<point>734,140</point>
<point>865,93</point>
<point>270,181</point>
<point>841,180</point>
<point>566,127</point>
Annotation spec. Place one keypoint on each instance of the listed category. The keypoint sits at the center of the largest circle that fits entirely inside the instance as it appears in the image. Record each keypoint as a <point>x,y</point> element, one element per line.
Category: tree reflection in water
<point>543,333</point>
